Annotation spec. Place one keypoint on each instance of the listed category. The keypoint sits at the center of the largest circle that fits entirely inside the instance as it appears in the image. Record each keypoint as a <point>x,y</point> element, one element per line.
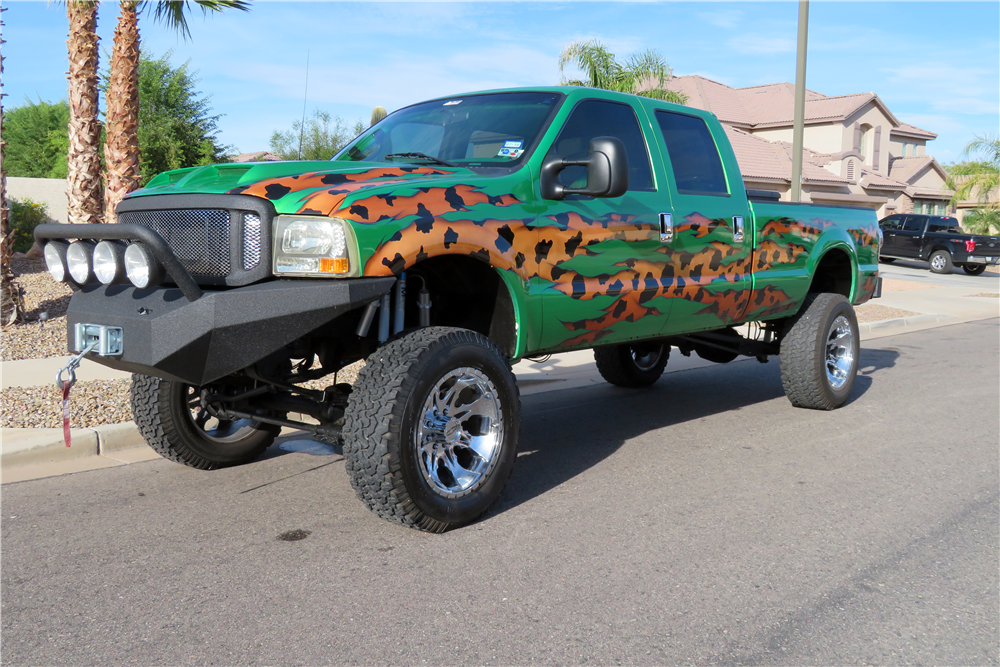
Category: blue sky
<point>935,64</point>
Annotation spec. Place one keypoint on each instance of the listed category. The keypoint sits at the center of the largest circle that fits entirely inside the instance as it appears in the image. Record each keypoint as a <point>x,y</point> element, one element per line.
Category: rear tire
<point>170,417</point>
<point>819,353</point>
<point>887,260</point>
<point>940,261</point>
<point>974,269</point>
<point>632,365</point>
<point>430,433</point>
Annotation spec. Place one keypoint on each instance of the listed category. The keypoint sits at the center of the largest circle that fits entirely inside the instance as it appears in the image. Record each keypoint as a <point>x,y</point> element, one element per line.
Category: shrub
<point>982,220</point>
<point>24,217</point>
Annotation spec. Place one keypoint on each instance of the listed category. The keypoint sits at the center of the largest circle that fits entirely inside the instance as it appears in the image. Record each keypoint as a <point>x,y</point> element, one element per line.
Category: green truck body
<point>542,220</point>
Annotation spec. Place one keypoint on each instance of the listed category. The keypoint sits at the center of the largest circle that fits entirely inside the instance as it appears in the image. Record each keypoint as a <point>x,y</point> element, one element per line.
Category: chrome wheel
<point>645,357</point>
<point>213,428</point>
<point>460,432</point>
<point>839,352</point>
<point>938,262</point>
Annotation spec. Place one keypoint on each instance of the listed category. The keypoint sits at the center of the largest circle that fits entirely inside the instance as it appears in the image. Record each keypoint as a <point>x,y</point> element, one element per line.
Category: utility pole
<point>800,101</point>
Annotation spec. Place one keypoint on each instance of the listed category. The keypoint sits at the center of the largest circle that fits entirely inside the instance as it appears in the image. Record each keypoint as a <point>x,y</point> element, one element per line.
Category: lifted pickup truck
<point>938,240</point>
<point>450,239</point>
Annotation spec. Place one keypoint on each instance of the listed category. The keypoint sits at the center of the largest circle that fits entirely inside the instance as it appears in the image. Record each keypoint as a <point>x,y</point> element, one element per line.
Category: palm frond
<point>173,13</point>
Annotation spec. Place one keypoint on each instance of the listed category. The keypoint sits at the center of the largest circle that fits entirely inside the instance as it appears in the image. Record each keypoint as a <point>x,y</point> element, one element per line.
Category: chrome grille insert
<point>251,240</point>
<point>198,237</point>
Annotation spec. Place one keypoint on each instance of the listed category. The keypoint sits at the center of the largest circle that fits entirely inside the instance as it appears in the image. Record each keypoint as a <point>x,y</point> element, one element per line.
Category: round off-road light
<point>109,262</point>
<point>141,267</point>
<point>79,261</point>
<point>55,260</point>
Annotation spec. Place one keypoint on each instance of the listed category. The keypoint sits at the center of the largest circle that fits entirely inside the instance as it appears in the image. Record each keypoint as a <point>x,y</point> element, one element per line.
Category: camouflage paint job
<point>580,272</point>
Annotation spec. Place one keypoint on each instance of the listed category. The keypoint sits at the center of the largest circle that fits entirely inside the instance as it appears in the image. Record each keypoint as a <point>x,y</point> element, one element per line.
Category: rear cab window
<point>913,223</point>
<point>942,224</point>
<point>694,158</point>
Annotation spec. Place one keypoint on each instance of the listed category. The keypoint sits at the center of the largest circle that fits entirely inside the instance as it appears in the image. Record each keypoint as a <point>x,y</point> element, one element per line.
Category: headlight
<point>109,262</point>
<point>78,261</point>
<point>141,267</point>
<point>55,260</point>
<point>314,246</point>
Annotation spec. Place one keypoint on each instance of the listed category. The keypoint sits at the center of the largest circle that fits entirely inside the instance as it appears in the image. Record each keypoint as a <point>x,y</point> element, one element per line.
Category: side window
<point>942,225</point>
<point>598,118</point>
<point>693,154</point>
<point>892,222</point>
<point>914,223</point>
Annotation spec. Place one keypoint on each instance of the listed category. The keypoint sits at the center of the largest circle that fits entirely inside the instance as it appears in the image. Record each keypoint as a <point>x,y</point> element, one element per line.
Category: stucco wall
<point>48,191</point>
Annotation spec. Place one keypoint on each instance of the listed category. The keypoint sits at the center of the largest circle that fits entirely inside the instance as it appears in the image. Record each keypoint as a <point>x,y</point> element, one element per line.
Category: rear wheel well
<point>464,293</point>
<point>834,274</point>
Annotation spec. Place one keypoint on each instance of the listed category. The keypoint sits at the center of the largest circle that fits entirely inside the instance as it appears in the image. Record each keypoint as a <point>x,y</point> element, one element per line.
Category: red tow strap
<point>65,411</point>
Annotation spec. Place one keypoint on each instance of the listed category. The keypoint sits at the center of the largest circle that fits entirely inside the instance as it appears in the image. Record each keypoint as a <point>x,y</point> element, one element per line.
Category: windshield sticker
<point>513,144</point>
<point>452,103</point>
<point>512,153</point>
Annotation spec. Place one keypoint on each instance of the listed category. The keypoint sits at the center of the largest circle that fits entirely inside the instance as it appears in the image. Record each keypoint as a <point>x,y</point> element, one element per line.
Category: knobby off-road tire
<point>632,364</point>
<point>974,269</point>
<point>940,261</point>
<point>819,353</point>
<point>171,420</point>
<point>431,430</point>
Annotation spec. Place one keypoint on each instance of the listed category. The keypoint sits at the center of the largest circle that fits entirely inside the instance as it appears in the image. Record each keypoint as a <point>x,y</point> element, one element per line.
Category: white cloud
<point>723,18</point>
<point>761,46</point>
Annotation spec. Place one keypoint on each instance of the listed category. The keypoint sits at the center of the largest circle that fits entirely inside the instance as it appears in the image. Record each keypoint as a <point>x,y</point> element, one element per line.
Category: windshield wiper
<point>422,156</point>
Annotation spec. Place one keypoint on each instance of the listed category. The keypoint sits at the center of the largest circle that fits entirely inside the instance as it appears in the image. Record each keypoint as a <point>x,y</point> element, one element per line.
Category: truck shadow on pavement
<point>565,433</point>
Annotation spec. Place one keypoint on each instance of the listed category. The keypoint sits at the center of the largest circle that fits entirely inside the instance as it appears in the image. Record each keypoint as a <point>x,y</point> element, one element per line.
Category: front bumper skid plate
<point>197,342</point>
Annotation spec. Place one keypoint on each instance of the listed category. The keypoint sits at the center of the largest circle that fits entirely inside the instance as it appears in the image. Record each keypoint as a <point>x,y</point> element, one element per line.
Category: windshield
<point>498,130</point>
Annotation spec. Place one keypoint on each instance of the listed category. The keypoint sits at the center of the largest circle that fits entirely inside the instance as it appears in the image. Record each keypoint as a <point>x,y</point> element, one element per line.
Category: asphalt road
<point>701,521</point>
<point>915,271</point>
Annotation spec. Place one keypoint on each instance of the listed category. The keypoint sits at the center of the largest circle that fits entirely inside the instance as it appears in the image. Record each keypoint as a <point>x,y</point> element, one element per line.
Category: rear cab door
<point>709,245</point>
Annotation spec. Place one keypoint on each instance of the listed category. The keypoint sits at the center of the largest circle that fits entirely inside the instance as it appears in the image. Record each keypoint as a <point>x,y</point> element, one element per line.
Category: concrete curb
<point>33,446</point>
<point>903,323</point>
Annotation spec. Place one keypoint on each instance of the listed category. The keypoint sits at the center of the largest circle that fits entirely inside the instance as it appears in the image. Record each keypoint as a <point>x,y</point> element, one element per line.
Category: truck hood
<point>314,188</point>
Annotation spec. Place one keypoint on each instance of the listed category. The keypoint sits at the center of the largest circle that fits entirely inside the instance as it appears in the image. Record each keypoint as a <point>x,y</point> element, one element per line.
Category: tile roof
<point>259,156</point>
<point>905,168</point>
<point>760,159</point>
<point>912,130</point>
<point>875,180</point>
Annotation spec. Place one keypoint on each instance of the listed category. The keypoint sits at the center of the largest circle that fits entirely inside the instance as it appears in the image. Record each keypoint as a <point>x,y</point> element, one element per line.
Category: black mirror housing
<point>607,171</point>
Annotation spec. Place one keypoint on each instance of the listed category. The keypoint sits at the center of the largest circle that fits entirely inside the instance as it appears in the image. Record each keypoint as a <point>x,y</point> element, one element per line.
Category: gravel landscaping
<point>33,339</point>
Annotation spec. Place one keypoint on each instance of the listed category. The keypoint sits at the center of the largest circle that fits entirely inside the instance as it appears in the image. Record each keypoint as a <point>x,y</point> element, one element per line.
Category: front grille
<point>198,237</point>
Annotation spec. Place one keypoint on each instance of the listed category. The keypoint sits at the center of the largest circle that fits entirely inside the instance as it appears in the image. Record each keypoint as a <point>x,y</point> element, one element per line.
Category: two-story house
<point>856,151</point>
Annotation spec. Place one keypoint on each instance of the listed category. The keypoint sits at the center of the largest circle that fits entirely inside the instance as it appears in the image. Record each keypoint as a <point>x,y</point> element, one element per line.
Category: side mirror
<point>607,171</point>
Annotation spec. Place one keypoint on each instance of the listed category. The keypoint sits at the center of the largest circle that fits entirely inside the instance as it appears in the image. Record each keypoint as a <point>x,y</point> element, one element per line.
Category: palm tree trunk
<point>84,175</point>
<point>121,148</point>
<point>11,304</point>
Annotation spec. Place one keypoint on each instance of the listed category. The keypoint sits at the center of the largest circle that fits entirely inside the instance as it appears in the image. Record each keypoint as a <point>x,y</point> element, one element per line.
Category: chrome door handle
<point>738,231</point>
<point>666,227</point>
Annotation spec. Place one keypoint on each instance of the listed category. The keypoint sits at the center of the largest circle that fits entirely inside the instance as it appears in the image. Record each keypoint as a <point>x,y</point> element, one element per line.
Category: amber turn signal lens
<point>340,265</point>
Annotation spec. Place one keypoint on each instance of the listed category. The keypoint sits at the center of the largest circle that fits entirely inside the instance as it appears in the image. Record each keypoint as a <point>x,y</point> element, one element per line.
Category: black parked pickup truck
<point>938,240</point>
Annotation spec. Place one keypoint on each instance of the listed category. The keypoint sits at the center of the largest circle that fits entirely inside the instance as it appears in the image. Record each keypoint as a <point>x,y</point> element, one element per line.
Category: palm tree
<point>11,308</point>
<point>978,178</point>
<point>84,162</point>
<point>121,150</point>
<point>645,73</point>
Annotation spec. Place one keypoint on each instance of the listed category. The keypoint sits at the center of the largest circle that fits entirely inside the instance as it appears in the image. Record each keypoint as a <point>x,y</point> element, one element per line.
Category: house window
<point>905,147</point>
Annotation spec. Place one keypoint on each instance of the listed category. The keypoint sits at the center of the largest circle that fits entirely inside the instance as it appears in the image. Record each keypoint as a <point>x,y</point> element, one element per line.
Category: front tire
<point>940,261</point>
<point>974,269</point>
<point>173,422</point>
<point>632,364</point>
<point>819,353</point>
<point>431,430</point>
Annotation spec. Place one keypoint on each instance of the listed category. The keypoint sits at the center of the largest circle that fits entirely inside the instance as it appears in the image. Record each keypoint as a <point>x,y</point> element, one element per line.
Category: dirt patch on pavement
<point>892,285</point>
<point>873,312</point>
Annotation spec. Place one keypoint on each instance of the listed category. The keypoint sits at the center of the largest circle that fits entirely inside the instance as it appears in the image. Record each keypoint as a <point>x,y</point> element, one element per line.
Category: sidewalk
<point>34,453</point>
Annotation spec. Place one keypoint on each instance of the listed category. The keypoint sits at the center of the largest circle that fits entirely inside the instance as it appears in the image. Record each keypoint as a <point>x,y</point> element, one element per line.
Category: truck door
<point>600,261</point>
<point>711,239</point>
<point>890,231</point>
<point>910,237</point>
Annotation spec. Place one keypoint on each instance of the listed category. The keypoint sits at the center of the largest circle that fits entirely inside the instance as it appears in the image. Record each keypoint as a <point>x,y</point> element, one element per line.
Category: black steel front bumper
<point>166,335</point>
